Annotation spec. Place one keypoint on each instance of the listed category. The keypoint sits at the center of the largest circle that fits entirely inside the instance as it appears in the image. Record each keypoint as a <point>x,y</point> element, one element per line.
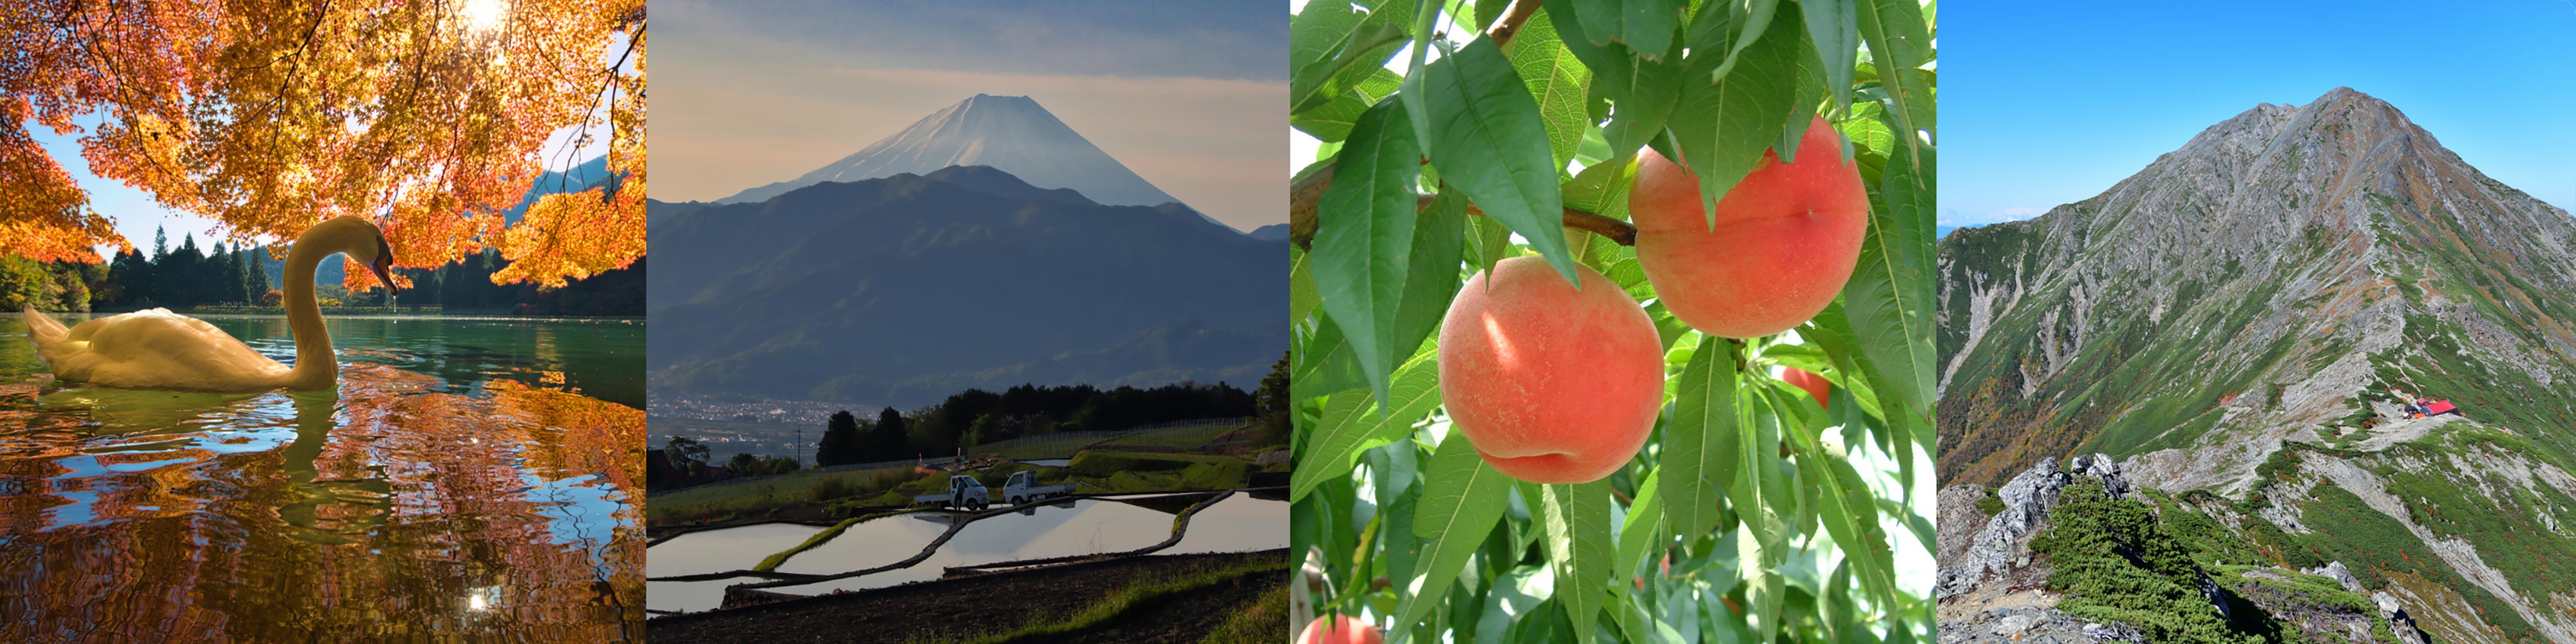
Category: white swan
<point>157,349</point>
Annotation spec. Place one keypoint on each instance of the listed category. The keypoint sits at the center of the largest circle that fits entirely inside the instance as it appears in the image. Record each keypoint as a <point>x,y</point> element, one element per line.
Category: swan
<point>157,349</point>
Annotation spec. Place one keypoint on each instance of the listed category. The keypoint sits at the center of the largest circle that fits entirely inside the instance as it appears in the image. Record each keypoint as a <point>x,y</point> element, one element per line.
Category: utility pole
<point>800,447</point>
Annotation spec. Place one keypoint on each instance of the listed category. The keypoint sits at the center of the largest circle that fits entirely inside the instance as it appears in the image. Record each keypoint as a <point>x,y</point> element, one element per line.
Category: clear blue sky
<point>2046,103</point>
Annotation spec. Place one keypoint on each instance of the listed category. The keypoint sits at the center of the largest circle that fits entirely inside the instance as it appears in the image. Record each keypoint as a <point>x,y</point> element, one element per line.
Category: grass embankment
<point>1259,625</point>
<point>1263,623</point>
<point>772,561</point>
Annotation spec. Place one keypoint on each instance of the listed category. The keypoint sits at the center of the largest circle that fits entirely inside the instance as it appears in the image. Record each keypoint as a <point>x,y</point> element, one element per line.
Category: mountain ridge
<point>907,288</point>
<point>2238,325</point>
<point>2297,242</point>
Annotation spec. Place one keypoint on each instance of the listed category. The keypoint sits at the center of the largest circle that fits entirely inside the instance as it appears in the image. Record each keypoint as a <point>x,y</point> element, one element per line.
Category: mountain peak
<point>1013,134</point>
<point>2240,290</point>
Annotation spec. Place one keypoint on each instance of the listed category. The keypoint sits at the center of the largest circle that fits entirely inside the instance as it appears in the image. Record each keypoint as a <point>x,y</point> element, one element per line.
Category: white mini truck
<point>1023,487</point>
<point>963,492</point>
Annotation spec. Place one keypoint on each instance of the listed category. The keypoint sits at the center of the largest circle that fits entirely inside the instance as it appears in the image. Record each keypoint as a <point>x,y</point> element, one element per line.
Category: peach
<point>1340,629</point>
<point>1550,383</point>
<point>1785,242</point>
<point>1815,385</point>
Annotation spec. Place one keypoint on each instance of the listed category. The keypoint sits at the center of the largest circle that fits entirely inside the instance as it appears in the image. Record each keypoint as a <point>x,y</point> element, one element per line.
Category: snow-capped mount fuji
<point>1010,133</point>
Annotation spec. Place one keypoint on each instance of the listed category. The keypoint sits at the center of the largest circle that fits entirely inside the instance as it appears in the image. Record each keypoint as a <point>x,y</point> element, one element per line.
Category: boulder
<point>2341,575</point>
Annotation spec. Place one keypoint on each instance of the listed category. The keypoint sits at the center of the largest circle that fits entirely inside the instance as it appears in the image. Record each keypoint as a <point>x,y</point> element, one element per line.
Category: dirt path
<point>964,607</point>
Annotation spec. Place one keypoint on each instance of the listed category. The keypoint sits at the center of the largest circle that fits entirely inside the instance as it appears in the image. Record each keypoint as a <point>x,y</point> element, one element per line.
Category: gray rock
<point>2004,542</point>
<point>2398,621</point>
<point>2029,625</point>
<point>2102,466</point>
<point>2341,575</point>
<point>2013,625</point>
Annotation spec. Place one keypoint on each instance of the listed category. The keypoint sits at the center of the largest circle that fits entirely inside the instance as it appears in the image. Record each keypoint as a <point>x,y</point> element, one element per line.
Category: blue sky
<point>2046,103</point>
<point>1187,94</point>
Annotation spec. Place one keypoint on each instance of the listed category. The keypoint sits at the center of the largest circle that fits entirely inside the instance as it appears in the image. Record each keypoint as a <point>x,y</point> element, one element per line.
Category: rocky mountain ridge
<point>2269,282</point>
<point>2229,334</point>
<point>1993,589</point>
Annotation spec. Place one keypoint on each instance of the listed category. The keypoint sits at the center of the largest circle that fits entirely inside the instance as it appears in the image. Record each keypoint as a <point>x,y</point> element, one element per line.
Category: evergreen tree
<point>178,274</point>
<point>130,279</point>
<point>841,441</point>
<point>254,274</point>
<point>891,440</point>
<point>223,276</point>
<point>160,243</point>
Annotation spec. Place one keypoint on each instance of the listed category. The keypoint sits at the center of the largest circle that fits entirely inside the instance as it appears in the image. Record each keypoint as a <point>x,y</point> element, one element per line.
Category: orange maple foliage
<point>272,115</point>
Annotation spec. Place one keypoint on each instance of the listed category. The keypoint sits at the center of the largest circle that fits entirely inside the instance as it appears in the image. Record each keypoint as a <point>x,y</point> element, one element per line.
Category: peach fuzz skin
<point>1785,242</point>
<point>1815,385</point>
<point>1342,630</point>
<point>1552,385</point>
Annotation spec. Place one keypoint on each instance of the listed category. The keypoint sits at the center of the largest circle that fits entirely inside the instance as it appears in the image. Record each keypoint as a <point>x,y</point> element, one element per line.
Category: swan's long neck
<point>315,365</point>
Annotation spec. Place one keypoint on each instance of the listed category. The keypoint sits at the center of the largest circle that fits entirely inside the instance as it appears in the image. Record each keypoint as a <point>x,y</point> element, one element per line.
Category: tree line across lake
<point>975,417</point>
<point>187,276</point>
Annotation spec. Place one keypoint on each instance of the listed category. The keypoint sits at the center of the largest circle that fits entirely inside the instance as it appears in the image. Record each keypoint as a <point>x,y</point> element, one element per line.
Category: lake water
<point>469,479</point>
<point>1087,526</point>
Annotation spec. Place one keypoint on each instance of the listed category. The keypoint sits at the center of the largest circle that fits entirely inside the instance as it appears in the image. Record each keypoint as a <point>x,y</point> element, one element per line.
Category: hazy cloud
<point>2016,213</point>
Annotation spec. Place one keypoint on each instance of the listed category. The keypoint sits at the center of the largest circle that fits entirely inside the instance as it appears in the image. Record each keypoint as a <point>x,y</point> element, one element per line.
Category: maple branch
<point>319,13</point>
<point>269,110</point>
<point>1303,195</point>
<point>1513,17</point>
<point>632,41</point>
<point>124,98</point>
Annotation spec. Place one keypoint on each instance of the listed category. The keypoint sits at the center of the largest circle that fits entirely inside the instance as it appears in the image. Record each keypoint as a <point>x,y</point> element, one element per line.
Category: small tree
<point>686,453</point>
<point>985,429</point>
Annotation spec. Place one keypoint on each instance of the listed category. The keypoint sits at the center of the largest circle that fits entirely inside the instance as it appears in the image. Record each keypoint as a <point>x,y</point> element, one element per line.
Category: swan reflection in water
<point>387,508</point>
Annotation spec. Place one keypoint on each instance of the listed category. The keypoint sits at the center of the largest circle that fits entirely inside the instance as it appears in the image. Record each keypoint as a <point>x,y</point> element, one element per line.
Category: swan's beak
<point>382,267</point>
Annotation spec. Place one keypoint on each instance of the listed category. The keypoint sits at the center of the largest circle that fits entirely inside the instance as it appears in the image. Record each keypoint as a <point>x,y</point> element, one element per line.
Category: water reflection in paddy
<point>714,551</point>
<point>469,495</point>
<point>1237,524</point>
<point>1090,526</point>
